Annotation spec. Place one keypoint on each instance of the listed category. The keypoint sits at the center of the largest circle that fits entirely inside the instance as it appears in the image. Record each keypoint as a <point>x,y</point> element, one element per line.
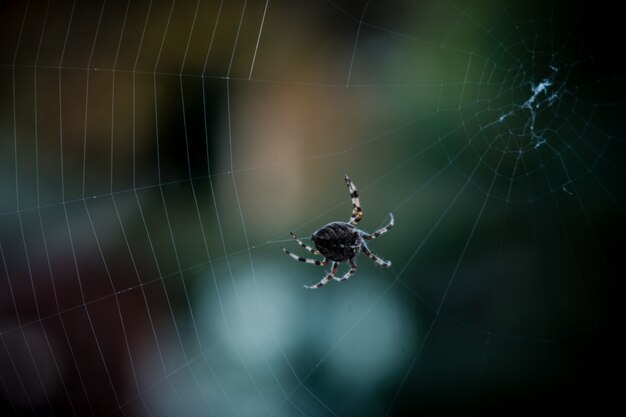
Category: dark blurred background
<point>155,155</point>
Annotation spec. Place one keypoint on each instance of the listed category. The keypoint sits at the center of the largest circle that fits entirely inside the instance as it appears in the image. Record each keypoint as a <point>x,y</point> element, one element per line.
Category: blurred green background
<point>154,157</point>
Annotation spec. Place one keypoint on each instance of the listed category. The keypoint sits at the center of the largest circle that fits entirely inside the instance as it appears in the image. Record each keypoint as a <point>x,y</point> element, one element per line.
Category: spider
<point>340,242</point>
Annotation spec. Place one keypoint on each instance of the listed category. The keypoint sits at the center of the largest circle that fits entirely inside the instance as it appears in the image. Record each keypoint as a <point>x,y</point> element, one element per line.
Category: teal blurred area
<point>154,157</point>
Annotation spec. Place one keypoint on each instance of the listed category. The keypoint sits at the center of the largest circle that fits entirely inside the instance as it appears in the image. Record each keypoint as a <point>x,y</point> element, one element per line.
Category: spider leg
<point>305,260</point>
<point>304,245</point>
<point>357,212</point>
<point>377,259</point>
<point>349,273</point>
<point>326,278</point>
<point>380,231</point>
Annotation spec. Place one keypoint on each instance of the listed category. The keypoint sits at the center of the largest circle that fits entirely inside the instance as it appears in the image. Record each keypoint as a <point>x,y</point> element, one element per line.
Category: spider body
<point>337,241</point>
<point>341,241</point>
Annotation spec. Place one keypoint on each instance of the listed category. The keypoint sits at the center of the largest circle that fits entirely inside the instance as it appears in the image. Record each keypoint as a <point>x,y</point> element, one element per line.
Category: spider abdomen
<point>337,241</point>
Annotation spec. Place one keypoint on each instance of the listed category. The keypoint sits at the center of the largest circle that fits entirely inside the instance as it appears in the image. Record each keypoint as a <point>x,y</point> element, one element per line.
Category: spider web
<point>155,156</point>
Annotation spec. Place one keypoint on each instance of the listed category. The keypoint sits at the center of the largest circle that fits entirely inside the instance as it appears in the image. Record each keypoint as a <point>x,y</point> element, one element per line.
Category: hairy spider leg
<point>305,260</point>
<point>348,274</point>
<point>304,245</point>
<point>327,277</point>
<point>380,231</point>
<point>357,212</point>
<point>377,259</point>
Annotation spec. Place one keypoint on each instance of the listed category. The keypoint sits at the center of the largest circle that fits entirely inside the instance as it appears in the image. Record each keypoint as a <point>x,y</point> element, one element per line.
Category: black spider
<point>341,242</point>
